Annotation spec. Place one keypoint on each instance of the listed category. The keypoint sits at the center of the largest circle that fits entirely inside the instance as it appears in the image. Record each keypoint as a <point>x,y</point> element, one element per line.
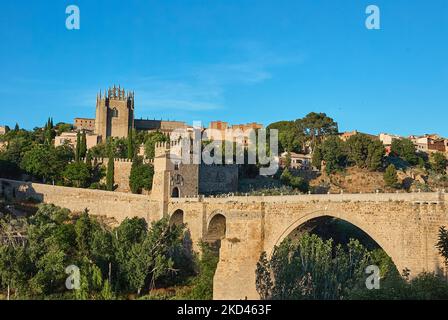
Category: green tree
<point>295,182</point>
<point>141,176</point>
<point>151,141</point>
<point>77,174</point>
<point>376,152</point>
<point>288,160</point>
<point>37,162</point>
<point>83,145</point>
<point>131,144</point>
<point>84,228</point>
<point>439,162</point>
<point>442,244</point>
<point>405,149</point>
<point>332,152</point>
<point>290,138</point>
<point>203,283</point>
<point>110,172</point>
<point>317,126</point>
<point>78,147</point>
<point>264,281</point>
<point>49,132</point>
<point>311,268</point>
<point>390,177</point>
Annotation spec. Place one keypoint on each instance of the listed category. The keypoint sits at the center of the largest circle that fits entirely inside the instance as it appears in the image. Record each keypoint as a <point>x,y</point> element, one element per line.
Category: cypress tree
<point>130,145</point>
<point>83,145</point>
<point>110,171</point>
<point>78,147</point>
<point>89,161</point>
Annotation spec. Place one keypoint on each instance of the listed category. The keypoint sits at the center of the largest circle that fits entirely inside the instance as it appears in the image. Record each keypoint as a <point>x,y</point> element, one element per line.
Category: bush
<point>390,177</point>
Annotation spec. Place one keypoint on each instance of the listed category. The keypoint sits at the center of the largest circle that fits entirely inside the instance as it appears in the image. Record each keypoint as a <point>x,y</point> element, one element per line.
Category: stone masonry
<point>405,225</point>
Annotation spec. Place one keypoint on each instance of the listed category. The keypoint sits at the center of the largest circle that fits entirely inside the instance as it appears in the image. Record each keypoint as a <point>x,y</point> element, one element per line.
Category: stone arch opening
<point>175,193</point>
<point>340,230</point>
<point>177,218</point>
<point>216,230</point>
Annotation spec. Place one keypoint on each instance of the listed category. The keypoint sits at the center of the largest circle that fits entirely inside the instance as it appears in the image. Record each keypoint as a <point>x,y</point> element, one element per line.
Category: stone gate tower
<point>172,177</point>
<point>114,113</point>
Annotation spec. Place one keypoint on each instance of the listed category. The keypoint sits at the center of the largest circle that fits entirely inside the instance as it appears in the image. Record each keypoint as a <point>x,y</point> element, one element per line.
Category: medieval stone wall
<point>104,203</point>
<point>405,225</point>
<point>122,171</point>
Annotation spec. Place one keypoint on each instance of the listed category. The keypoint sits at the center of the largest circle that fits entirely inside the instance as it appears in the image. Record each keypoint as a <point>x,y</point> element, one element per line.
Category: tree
<point>151,141</point>
<point>49,132</point>
<point>311,268</point>
<point>131,149</point>
<point>110,174</point>
<point>288,160</point>
<point>46,162</point>
<point>16,127</point>
<point>317,126</point>
<point>404,149</point>
<point>84,232</point>
<point>83,145</point>
<point>290,138</point>
<point>11,264</point>
<point>390,177</point>
<point>63,127</point>
<point>77,174</point>
<point>110,170</point>
<point>375,155</point>
<point>78,147</point>
<point>332,152</point>
<point>203,282</point>
<point>264,281</point>
<point>364,152</point>
<point>439,162</point>
<point>141,176</point>
<point>37,161</point>
<point>442,244</point>
<point>293,181</point>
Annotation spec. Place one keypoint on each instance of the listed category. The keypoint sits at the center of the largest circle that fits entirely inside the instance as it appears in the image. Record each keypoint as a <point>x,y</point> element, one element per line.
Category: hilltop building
<point>84,124</point>
<point>430,143</point>
<point>220,128</point>
<point>299,161</point>
<point>70,139</point>
<point>348,134</point>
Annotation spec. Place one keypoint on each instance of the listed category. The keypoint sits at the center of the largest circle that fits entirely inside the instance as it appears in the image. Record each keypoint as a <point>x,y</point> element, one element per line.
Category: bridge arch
<point>177,218</point>
<point>370,230</point>
<point>216,227</point>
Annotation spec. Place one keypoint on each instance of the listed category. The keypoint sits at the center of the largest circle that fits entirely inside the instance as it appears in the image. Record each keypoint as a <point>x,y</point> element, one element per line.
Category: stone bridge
<point>405,225</point>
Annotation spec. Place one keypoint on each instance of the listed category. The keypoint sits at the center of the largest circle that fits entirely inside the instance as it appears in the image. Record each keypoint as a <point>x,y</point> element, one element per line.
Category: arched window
<point>114,112</point>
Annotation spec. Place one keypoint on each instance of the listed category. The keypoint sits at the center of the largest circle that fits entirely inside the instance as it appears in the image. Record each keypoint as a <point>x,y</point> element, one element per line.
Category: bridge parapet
<point>416,197</point>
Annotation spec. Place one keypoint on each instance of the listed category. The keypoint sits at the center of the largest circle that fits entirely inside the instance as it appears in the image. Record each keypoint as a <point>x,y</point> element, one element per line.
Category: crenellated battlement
<point>117,160</point>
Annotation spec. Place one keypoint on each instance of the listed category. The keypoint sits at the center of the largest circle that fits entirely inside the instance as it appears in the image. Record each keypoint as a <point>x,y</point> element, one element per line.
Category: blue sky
<point>234,60</point>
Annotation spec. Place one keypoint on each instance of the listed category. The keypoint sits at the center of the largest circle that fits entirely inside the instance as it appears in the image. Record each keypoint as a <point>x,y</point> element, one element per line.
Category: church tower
<point>114,113</point>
